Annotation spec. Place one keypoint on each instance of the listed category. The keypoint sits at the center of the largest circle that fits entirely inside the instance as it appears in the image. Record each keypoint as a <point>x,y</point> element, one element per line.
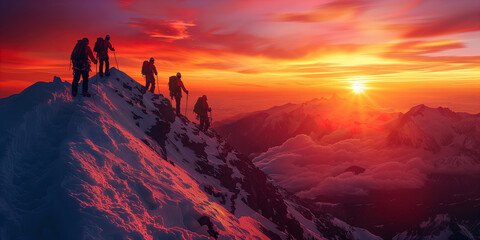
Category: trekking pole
<point>116,60</point>
<point>186,105</point>
<point>96,75</point>
<point>96,81</point>
<point>158,87</point>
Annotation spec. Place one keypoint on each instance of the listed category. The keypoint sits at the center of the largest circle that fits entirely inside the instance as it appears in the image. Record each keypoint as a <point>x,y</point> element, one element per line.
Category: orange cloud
<point>460,22</point>
<point>422,47</point>
<point>417,51</point>
<point>329,11</point>
<point>126,3</point>
<point>169,30</point>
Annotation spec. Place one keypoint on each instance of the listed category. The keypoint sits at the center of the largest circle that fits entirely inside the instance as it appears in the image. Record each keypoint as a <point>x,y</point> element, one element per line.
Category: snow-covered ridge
<point>120,165</point>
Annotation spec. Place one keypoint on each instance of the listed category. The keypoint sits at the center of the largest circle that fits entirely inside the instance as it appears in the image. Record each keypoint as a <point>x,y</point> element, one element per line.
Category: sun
<point>358,88</point>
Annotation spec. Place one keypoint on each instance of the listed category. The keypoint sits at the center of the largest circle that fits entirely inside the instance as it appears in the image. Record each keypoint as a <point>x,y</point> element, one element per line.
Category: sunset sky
<point>403,52</point>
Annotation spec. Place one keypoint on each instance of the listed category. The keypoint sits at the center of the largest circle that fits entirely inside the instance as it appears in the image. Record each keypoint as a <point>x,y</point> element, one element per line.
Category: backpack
<point>173,86</point>
<point>198,106</point>
<point>145,68</point>
<point>99,45</point>
<point>79,55</point>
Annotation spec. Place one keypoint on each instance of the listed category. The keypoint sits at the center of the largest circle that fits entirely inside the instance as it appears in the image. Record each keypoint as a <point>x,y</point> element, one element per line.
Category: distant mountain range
<point>326,120</point>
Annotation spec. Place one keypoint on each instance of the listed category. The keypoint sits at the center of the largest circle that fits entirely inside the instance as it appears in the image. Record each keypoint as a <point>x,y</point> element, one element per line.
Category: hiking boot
<point>86,94</point>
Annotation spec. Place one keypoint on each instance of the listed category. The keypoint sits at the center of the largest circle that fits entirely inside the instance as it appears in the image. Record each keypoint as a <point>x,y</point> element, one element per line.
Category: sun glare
<point>357,87</point>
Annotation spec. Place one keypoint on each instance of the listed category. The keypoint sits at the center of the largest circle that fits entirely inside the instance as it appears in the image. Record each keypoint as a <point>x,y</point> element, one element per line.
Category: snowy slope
<point>120,165</point>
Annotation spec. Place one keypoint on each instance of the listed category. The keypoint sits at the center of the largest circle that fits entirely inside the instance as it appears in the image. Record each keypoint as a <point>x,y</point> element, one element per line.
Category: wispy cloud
<point>461,22</point>
<point>168,30</point>
<point>325,12</point>
<point>418,51</point>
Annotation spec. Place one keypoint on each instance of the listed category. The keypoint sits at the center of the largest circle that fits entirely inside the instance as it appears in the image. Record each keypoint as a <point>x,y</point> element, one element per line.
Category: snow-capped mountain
<point>453,136</point>
<point>266,128</point>
<point>121,165</point>
<point>438,228</point>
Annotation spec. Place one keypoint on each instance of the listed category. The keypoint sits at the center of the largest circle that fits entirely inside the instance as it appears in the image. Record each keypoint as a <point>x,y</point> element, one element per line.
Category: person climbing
<point>201,109</point>
<point>101,47</point>
<point>175,85</point>
<point>148,69</point>
<point>81,65</point>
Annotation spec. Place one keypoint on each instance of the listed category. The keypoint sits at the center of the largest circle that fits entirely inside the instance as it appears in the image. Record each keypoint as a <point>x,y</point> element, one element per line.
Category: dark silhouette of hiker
<point>148,69</point>
<point>81,65</point>
<point>176,86</point>
<point>201,109</point>
<point>101,47</point>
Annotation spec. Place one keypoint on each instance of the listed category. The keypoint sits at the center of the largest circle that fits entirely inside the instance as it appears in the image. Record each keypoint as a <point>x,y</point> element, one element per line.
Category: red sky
<point>246,52</point>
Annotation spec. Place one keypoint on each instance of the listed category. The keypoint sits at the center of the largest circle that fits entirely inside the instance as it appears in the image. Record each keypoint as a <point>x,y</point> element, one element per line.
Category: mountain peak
<point>422,109</point>
<point>56,79</point>
<point>416,110</point>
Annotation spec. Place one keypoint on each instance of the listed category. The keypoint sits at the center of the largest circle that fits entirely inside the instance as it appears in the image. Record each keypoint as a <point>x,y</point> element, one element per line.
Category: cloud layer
<point>419,143</point>
<point>309,169</point>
